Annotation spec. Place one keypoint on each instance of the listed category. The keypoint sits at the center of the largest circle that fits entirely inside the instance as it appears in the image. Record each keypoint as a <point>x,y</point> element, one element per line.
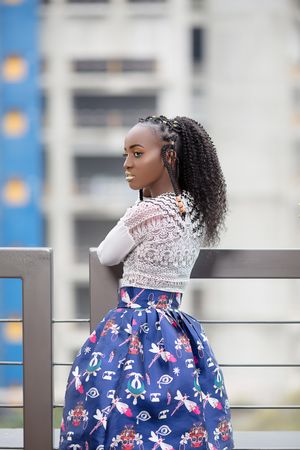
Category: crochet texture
<point>166,246</point>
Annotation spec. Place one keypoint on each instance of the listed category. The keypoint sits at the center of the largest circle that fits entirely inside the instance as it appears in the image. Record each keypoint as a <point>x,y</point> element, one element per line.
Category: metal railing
<point>226,264</point>
<point>34,267</point>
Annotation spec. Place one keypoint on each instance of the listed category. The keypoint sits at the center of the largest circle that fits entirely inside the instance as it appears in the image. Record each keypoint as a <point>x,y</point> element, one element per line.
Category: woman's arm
<point>117,244</point>
<point>129,232</point>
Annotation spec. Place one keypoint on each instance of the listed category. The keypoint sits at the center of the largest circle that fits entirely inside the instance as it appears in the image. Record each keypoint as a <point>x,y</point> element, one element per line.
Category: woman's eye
<point>125,154</point>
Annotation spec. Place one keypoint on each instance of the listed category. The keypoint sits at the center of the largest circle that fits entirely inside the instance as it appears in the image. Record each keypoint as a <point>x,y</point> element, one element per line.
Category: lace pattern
<point>166,247</point>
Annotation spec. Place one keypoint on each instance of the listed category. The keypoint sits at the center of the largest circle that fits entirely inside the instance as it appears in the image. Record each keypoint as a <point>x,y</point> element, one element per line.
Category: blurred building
<point>104,65</point>
<point>234,66</point>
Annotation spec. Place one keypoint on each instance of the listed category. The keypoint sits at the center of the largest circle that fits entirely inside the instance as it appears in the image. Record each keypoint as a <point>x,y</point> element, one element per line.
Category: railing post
<point>34,267</point>
<point>102,282</point>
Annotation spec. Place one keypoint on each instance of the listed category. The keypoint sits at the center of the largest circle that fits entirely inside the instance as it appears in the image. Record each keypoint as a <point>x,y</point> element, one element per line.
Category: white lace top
<point>158,247</point>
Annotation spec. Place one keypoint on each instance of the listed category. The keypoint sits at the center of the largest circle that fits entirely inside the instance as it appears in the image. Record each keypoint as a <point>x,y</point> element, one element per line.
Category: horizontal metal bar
<point>60,405</point>
<point>288,322</point>
<point>265,407</point>
<point>13,448</point>
<point>11,363</point>
<point>221,365</point>
<point>62,364</point>
<point>265,322</point>
<point>9,405</point>
<point>247,263</point>
<point>11,320</point>
<point>18,363</point>
<point>271,322</point>
<point>71,321</point>
<point>259,365</point>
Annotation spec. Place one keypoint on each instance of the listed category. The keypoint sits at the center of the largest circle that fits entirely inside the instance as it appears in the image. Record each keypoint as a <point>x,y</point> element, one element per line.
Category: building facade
<point>233,66</point>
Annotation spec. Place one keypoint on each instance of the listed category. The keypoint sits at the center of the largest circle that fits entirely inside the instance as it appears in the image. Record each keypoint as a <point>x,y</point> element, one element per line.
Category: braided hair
<point>197,171</point>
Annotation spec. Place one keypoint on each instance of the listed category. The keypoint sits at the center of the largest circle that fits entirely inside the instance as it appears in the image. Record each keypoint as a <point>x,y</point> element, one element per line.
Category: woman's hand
<point>146,192</point>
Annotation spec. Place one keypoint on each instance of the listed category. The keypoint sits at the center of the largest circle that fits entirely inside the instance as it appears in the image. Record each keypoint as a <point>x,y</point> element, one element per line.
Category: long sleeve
<point>117,244</point>
<point>130,231</point>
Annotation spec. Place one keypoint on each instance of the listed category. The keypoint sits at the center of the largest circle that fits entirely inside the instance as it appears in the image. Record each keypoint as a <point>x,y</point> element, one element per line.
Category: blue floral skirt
<point>146,378</point>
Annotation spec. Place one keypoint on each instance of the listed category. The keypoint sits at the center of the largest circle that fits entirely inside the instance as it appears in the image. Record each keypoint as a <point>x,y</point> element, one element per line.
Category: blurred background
<point>75,76</point>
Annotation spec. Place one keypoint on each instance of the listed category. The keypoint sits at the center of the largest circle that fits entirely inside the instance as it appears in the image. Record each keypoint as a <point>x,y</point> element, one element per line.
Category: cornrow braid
<point>197,171</point>
<point>168,126</point>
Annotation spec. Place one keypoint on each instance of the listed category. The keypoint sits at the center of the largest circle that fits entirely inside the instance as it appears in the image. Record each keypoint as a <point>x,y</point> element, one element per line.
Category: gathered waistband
<point>143,298</point>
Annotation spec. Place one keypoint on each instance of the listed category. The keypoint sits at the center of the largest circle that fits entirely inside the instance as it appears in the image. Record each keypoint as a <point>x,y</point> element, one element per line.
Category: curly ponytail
<point>197,171</point>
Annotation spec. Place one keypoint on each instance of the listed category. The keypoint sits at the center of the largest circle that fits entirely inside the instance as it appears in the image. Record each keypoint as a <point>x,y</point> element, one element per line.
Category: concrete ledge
<point>244,440</point>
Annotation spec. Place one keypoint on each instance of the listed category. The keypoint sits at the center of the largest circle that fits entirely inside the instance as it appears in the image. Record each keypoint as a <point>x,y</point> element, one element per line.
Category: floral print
<point>146,378</point>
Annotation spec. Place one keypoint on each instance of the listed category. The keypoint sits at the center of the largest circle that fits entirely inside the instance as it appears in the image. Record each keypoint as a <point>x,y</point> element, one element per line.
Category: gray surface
<point>247,263</point>
<point>244,440</point>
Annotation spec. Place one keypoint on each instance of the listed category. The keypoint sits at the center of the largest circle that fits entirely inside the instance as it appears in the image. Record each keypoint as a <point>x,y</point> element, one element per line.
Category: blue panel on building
<point>20,158</point>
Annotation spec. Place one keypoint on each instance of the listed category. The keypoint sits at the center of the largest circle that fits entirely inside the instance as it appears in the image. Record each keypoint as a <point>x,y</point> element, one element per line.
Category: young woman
<point>147,378</point>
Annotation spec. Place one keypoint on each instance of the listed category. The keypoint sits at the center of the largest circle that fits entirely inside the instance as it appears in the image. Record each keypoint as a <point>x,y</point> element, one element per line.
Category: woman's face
<point>142,153</point>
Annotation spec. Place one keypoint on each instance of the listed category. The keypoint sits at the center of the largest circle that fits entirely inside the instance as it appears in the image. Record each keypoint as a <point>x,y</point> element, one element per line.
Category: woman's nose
<point>127,163</point>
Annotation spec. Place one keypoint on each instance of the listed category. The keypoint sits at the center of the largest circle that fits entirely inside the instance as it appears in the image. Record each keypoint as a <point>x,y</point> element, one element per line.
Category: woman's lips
<point>129,177</point>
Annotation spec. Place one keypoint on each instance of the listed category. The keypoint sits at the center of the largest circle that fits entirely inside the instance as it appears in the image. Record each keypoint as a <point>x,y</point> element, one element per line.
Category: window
<point>146,1</point>
<point>92,110</point>
<point>113,65</point>
<point>197,46</point>
<point>87,1</point>
<point>44,108</point>
<point>44,168</point>
<point>45,231</point>
<point>89,232</point>
<point>82,301</point>
<point>198,4</point>
<point>98,174</point>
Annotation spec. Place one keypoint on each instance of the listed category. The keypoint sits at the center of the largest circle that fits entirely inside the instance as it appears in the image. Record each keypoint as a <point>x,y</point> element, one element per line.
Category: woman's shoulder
<point>141,211</point>
<point>163,205</point>
<point>167,201</point>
